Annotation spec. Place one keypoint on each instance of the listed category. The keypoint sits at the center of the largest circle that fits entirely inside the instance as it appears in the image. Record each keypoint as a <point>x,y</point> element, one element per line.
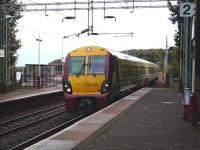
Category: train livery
<point>93,76</point>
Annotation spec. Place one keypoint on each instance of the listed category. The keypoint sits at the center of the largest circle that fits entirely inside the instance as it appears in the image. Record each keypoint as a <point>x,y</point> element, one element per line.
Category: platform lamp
<point>39,68</point>
<point>62,58</point>
<point>68,17</point>
<point>110,17</point>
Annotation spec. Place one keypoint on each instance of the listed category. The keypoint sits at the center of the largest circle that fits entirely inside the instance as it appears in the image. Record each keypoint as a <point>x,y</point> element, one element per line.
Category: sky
<point>150,28</point>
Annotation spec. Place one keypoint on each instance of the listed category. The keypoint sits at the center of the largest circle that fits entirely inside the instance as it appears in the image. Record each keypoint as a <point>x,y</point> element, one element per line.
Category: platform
<point>25,92</point>
<point>150,119</point>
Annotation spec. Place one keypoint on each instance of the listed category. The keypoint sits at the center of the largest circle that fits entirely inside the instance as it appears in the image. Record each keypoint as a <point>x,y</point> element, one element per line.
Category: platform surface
<point>150,119</point>
<point>28,92</point>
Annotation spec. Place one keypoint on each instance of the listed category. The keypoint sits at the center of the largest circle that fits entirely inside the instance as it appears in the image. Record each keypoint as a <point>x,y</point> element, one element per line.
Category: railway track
<point>46,134</point>
<point>21,122</point>
<point>25,130</point>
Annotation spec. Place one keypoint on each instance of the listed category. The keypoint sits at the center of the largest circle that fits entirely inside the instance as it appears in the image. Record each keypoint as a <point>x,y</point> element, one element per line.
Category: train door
<point>115,72</point>
<point>115,77</point>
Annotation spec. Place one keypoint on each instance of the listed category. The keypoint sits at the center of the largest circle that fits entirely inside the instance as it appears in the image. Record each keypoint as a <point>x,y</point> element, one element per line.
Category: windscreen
<point>96,65</point>
<point>77,65</point>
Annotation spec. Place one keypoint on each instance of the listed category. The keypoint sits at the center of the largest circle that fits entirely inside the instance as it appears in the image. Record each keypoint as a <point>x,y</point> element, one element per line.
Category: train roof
<point>121,55</point>
<point>118,54</point>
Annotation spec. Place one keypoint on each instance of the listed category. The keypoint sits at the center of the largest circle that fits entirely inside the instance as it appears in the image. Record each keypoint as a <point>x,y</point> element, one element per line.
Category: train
<point>94,76</point>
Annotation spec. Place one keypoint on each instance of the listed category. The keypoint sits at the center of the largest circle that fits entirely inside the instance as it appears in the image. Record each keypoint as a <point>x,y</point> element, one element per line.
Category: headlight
<point>105,86</point>
<point>67,87</point>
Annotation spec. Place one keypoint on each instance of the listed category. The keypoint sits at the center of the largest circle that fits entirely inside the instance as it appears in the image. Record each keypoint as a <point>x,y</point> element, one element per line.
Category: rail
<point>47,134</point>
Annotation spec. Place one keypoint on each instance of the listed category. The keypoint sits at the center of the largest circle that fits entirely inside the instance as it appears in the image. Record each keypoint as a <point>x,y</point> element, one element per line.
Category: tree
<point>140,54</point>
<point>152,55</point>
<point>175,18</point>
<point>8,39</point>
<point>174,62</point>
<point>176,52</point>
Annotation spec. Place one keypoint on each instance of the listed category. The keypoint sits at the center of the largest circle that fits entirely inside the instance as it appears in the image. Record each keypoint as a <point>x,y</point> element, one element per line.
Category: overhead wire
<point>39,31</point>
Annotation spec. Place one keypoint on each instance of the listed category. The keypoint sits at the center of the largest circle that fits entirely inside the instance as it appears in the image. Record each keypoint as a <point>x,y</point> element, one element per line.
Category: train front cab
<point>86,84</point>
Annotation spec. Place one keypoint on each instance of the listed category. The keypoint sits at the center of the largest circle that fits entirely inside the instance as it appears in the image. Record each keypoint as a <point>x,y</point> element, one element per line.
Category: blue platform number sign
<point>187,9</point>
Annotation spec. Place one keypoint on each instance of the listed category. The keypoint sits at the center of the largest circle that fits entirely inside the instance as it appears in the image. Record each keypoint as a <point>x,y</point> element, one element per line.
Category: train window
<point>77,65</point>
<point>97,64</point>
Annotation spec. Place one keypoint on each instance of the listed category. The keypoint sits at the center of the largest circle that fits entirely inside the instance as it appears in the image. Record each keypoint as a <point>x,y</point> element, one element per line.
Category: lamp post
<point>65,37</point>
<point>62,58</point>
<point>39,69</point>
<point>166,75</point>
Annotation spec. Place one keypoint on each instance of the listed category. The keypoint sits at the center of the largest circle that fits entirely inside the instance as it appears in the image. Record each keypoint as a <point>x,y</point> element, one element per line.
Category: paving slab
<point>152,123</point>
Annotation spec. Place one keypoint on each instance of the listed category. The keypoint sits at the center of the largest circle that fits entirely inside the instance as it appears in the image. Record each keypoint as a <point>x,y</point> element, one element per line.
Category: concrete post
<point>197,58</point>
<point>187,67</point>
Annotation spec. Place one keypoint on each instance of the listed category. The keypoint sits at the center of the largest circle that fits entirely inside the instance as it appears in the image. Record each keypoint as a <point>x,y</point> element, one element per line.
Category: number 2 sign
<point>187,9</point>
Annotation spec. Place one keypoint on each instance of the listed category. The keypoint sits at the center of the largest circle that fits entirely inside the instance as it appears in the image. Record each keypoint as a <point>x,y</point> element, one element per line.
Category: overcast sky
<point>150,28</point>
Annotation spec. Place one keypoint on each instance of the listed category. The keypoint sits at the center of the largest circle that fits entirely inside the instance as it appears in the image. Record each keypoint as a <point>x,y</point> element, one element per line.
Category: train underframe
<point>85,103</point>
